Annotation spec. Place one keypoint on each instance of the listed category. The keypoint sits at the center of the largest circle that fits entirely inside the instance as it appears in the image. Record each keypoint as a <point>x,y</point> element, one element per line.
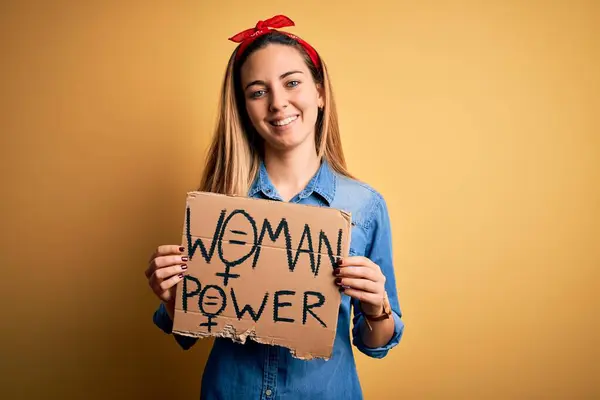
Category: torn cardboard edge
<point>229,332</point>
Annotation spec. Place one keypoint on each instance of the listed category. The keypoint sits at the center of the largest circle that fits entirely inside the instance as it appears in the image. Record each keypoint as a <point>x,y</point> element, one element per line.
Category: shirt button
<point>268,392</point>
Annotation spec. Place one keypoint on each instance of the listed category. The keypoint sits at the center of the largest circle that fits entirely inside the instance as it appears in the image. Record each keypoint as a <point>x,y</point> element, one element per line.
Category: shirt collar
<point>323,183</point>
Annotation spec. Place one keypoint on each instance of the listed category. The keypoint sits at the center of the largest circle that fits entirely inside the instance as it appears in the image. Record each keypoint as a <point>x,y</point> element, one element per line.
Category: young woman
<point>278,138</point>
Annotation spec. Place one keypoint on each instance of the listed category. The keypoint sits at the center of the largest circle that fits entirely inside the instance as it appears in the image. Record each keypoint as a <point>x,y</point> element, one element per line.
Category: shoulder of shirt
<point>368,201</point>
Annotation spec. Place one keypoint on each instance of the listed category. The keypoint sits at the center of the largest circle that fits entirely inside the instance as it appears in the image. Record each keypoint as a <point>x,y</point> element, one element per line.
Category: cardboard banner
<point>261,270</point>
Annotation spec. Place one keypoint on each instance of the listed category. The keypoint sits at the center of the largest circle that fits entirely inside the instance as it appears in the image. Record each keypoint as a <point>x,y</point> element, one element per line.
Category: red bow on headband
<point>263,27</point>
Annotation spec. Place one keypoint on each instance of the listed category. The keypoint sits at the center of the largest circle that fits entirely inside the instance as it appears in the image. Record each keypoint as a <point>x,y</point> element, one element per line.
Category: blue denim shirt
<point>258,371</point>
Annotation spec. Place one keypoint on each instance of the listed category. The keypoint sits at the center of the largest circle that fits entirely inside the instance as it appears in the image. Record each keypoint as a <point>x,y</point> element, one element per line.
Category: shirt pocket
<point>357,241</point>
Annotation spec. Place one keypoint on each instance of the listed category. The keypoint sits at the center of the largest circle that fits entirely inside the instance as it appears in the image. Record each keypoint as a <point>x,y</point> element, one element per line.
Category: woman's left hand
<point>362,279</point>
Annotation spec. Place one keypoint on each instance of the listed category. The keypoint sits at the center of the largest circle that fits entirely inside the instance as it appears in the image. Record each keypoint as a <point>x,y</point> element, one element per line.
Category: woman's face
<point>282,99</point>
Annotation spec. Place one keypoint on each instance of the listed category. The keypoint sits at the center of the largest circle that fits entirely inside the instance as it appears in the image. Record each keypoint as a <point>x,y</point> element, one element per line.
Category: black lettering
<point>277,304</point>
<point>267,228</point>
<point>339,244</point>
<point>226,275</point>
<point>309,250</point>
<point>323,239</point>
<point>198,243</point>
<point>307,308</point>
<point>211,314</point>
<point>248,308</point>
<point>305,240</point>
<point>185,293</point>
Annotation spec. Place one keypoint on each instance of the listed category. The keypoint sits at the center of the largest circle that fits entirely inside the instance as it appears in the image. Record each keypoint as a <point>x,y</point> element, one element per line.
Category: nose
<point>277,100</point>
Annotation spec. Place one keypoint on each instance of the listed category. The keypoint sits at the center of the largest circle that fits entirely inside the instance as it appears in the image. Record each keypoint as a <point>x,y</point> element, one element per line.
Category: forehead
<point>272,61</point>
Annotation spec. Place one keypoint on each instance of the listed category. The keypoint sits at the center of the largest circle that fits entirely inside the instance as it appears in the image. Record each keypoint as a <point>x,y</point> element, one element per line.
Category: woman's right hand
<point>165,270</point>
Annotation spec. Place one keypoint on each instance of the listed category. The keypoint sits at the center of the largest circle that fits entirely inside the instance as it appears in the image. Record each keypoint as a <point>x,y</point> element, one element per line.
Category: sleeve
<point>163,321</point>
<point>379,250</point>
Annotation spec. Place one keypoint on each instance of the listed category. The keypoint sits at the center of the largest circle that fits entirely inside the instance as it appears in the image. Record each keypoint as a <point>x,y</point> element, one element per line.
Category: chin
<point>285,140</point>
<point>284,145</point>
<point>287,143</point>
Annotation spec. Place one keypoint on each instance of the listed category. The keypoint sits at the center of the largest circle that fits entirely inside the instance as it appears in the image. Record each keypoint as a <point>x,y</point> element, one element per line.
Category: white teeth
<point>284,122</point>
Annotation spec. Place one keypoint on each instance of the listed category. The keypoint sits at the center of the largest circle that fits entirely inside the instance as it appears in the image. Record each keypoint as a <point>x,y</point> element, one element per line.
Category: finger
<point>364,297</point>
<point>164,262</point>
<point>358,272</point>
<point>165,273</point>
<point>163,250</point>
<point>360,284</point>
<point>167,261</point>
<point>156,282</point>
<point>356,261</point>
<point>169,283</point>
<point>166,250</point>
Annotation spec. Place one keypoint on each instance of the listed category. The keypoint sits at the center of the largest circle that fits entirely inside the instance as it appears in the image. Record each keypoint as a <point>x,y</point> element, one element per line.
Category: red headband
<point>263,27</point>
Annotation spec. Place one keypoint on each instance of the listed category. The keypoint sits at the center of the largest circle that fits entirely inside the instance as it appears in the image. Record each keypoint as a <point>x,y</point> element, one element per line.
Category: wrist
<point>371,310</point>
<point>377,313</point>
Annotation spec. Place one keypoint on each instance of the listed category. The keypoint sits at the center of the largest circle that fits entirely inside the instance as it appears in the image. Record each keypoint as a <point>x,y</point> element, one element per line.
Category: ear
<point>320,96</point>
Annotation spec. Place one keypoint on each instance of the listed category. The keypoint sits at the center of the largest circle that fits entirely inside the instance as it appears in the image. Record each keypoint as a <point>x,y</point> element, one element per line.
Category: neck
<point>291,171</point>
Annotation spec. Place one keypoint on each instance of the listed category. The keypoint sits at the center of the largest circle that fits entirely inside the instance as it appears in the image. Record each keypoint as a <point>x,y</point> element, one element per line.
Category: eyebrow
<point>282,76</point>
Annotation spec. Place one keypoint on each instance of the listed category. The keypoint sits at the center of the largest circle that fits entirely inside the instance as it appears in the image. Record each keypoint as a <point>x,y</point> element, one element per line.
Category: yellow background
<point>476,120</point>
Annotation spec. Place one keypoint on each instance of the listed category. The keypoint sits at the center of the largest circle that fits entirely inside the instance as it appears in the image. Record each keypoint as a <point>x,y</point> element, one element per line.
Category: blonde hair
<point>234,158</point>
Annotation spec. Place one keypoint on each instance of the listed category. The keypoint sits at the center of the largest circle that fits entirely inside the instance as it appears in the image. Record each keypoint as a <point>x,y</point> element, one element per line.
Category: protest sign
<point>261,270</point>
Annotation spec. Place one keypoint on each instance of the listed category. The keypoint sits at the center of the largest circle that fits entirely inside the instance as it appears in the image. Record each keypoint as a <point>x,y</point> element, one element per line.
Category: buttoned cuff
<point>378,352</point>
<point>163,321</point>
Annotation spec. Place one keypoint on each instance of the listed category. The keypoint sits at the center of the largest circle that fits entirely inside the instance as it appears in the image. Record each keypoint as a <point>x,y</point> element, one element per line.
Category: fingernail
<point>181,249</point>
<point>338,281</point>
<point>184,266</point>
<point>184,258</point>
<point>338,261</point>
<point>180,275</point>
<point>336,271</point>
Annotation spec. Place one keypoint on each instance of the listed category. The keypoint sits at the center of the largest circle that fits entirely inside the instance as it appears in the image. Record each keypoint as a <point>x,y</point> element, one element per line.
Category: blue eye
<point>293,83</point>
<point>257,94</point>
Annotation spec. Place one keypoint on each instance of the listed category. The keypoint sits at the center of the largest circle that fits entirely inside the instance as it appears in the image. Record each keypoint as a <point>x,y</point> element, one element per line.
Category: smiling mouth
<point>284,122</point>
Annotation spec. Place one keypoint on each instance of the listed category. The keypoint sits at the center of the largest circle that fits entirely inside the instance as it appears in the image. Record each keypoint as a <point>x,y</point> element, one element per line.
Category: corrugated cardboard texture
<point>261,270</point>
